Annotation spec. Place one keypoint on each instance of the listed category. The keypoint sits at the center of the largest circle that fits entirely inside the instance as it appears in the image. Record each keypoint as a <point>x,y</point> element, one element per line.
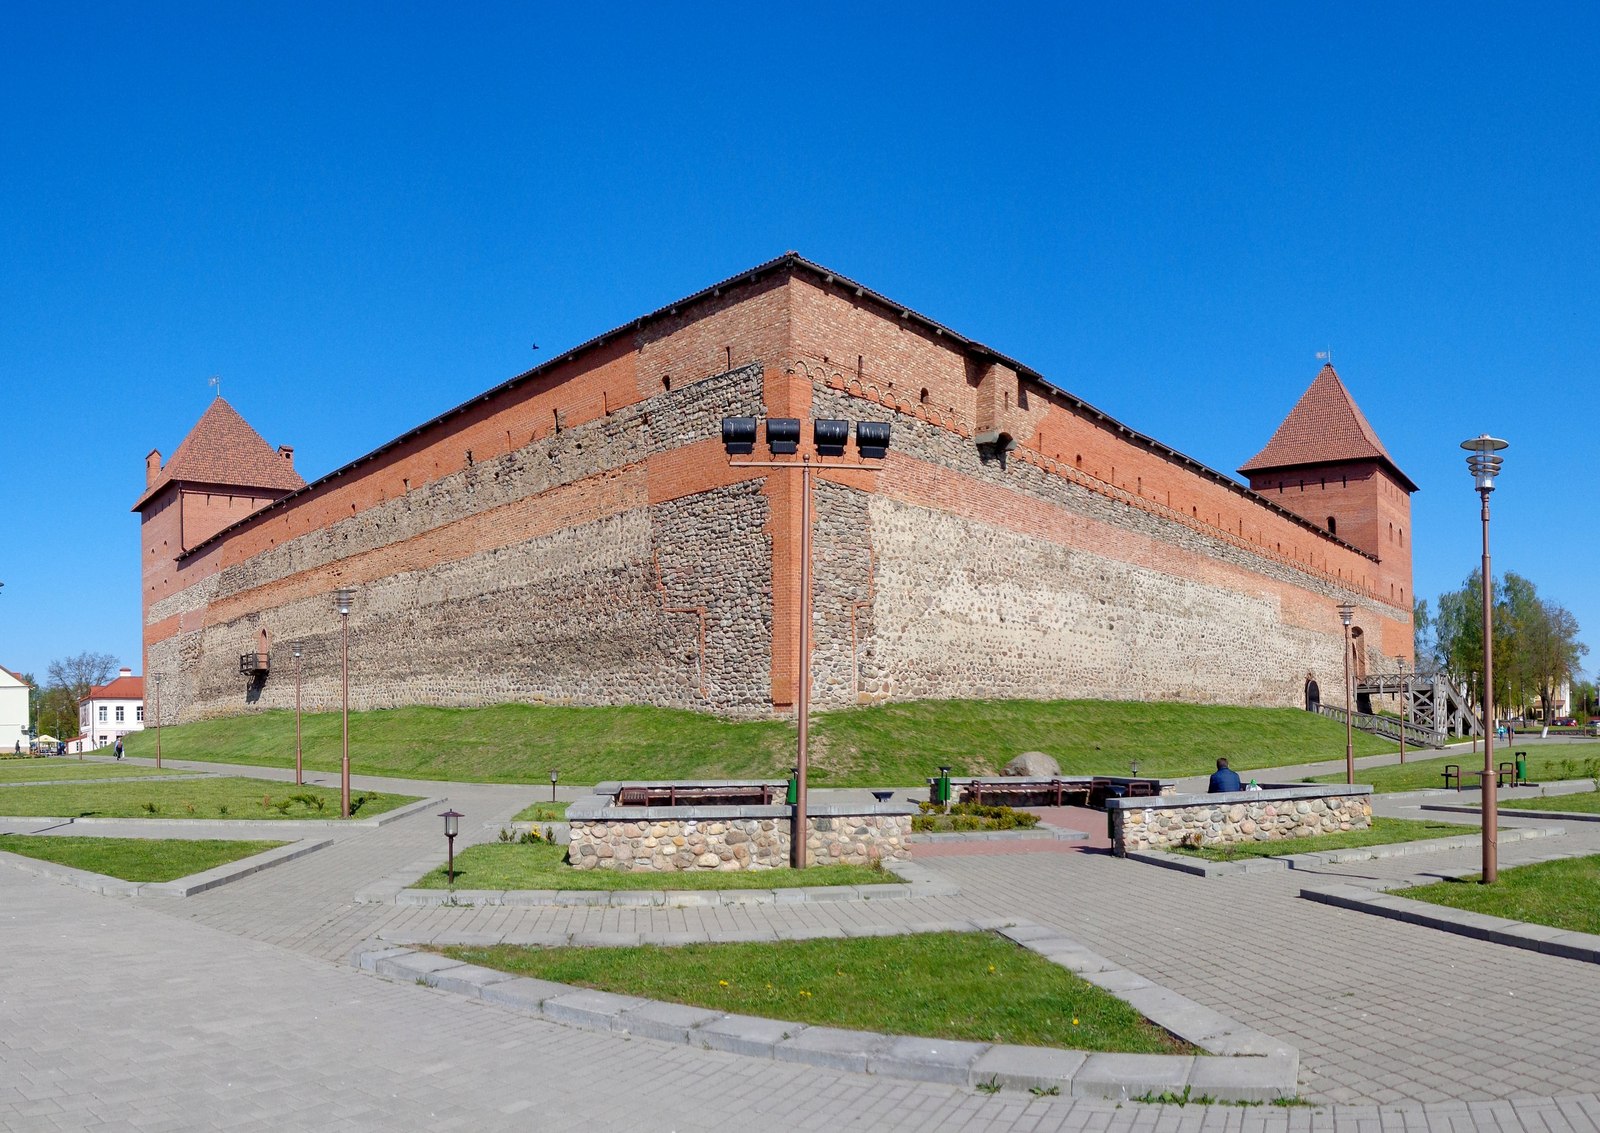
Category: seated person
<point>1224,778</point>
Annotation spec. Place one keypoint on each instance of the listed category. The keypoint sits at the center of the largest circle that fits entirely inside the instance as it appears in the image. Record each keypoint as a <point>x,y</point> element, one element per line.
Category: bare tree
<point>78,674</point>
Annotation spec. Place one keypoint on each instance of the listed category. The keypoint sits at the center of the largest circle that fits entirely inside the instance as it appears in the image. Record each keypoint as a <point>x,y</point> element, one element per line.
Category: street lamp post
<point>299,779</point>
<point>341,602</point>
<point>553,777</point>
<point>155,680</point>
<point>452,826</point>
<point>1346,612</point>
<point>1401,661</point>
<point>829,438</point>
<point>1484,465</point>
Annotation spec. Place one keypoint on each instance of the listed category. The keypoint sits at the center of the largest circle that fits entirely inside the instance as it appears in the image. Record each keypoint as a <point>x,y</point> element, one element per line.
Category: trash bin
<point>944,786</point>
<point>1522,767</point>
<point>793,795</point>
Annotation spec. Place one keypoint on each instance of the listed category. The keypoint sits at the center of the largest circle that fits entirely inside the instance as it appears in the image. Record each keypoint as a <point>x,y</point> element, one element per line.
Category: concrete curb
<point>1316,858</point>
<point>1244,1064</point>
<point>181,887</point>
<point>1497,930</point>
<point>1518,812</point>
<point>1037,833</point>
<point>273,823</point>
<point>919,882</point>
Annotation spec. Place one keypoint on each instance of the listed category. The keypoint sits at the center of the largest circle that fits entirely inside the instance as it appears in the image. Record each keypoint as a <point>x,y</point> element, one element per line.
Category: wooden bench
<point>1505,775</point>
<point>1057,792</point>
<point>1452,771</point>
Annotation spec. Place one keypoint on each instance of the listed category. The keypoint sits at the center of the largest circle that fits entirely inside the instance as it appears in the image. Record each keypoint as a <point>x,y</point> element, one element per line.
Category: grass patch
<point>542,812</point>
<point>540,865</point>
<point>969,986</point>
<point>134,859</point>
<point>1382,832</point>
<point>1583,802</point>
<point>210,799</point>
<point>56,769</point>
<point>1569,761</point>
<point>1563,894</point>
<point>883,744</point>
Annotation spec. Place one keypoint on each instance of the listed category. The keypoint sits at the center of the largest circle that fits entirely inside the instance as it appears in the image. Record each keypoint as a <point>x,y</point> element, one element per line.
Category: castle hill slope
<point>886,745</point>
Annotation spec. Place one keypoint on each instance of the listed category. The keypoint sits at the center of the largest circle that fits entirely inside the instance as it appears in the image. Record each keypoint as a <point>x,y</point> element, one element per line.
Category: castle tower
<point>221,473</point>
<point>1327,466</point>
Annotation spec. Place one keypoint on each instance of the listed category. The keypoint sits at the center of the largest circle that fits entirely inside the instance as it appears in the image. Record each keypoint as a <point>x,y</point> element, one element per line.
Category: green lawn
<point>968,986</point>
<point>43,770</point>
<point>134,859</point>
<point>1584,802</point>
<point>210,799</point>
<point>542,812</point>
<point>1382,832</point>
<point>897,744</point>
<point>1545,764</point>
<point>1563,894</point>
<point>540,865</point>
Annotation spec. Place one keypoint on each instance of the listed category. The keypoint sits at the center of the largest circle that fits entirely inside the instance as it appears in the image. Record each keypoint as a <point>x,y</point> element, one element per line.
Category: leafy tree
<point>1423,642</point>
<point>80,673</point>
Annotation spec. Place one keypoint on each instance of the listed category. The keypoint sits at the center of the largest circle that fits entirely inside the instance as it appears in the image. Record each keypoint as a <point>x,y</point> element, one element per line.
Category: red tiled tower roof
<point>1325,427</point>
<point>223,449</point>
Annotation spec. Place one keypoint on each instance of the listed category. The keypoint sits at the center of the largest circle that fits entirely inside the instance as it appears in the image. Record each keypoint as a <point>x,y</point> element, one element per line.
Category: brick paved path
<point>233,1009</point>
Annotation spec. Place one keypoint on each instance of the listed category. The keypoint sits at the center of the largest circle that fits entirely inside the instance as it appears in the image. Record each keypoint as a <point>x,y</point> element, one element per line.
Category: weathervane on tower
<point>216,383</point>
<point>1325,356</point>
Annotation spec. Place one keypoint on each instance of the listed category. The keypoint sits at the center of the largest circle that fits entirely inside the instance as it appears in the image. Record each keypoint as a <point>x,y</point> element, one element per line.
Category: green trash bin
<point>793,796</point>
<point>944,786</point>
<point>1522,767</point>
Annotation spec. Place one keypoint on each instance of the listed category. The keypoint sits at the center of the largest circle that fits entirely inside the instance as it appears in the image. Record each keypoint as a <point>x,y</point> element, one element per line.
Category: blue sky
<point>361,215</point>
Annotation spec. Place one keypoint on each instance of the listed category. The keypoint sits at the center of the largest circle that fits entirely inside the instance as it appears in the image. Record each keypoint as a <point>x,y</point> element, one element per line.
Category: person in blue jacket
<point>1224,778</point>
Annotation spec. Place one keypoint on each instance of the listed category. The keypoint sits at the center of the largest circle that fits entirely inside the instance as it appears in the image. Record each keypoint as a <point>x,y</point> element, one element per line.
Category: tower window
<point>1333,526</point>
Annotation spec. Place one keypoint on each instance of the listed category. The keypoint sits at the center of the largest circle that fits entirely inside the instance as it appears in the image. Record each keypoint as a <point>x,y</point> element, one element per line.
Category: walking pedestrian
<point>119,747</point>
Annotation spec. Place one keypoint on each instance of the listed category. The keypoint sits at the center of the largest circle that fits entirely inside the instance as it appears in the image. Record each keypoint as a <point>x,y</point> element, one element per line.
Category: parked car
<point>1564,722</point>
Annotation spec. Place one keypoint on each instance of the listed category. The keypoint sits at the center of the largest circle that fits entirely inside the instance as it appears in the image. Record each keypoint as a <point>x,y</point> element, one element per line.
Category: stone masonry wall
<point>604,597</point>
<point>1237,819</point>
<point>665,844</point>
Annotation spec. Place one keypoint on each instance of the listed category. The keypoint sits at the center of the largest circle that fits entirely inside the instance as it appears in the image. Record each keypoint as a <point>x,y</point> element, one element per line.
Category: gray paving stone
<point>1126,1076</point>
<point>522,993</point>
<point>1244,1079</point>
<point>833,1048</point>
<point>1027,1067</point>
<point>928,1060</point>
<point>468,979</point>
<point>669,1022</point>
<point>599,1009</point>
<point>412,965</point>
<point>745,1034</point>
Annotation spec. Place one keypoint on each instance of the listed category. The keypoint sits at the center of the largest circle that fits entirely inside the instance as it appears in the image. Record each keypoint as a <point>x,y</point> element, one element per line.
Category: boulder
<point>1033,765</point>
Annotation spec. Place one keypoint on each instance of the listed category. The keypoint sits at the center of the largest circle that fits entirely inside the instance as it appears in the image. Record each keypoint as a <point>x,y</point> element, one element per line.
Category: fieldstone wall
<point>1240,816</point>
<point>758,839</point>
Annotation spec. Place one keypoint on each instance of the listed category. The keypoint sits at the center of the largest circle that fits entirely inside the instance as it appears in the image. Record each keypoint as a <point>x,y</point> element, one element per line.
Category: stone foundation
<point>668,839</point>
<point>1273,814</point>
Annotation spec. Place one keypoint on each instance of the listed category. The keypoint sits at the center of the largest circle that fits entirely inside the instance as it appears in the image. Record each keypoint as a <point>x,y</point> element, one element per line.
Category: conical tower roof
<point>1325,427</point>
<point>223,449</point>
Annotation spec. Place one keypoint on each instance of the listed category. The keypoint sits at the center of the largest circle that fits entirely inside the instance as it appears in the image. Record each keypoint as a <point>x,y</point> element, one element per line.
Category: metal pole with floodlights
<point>829,438</point>
<point>1401,661</point>
<point>1484,465</point>
<point>341,602</point>
<point>1346,612</point>
<point>299,778</point>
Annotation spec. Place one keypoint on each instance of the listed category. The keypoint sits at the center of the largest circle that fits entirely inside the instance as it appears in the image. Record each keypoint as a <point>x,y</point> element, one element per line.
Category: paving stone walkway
<point>236,1009</point>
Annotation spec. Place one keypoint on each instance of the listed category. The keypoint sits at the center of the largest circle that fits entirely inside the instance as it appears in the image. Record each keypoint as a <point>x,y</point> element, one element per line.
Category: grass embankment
<point>1583,802</point>
<point>542,812</point>
<point>883,744</point>
<point>54,770</point>
<point>540,865</point>
<point>1544,764</point>
<point>968,986</point>
<point>1382,832</point>
<point>1564,894</point>
<point>134,859</point>
<point>210,799</point>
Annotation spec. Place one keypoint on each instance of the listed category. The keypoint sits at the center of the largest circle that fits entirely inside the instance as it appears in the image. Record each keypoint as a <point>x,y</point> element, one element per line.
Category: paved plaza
<point>237,1008</point>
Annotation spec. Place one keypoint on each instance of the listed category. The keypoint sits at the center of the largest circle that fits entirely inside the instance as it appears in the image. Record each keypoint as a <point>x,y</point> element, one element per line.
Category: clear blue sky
<point>361,215</point>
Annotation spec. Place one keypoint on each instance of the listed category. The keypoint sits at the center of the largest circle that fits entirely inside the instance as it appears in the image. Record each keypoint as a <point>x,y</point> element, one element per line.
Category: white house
<point>111,711</point>
<point>13,712</point>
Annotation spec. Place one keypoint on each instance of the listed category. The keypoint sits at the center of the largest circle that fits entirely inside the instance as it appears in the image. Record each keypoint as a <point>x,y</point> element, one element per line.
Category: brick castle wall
<point>581,538</point>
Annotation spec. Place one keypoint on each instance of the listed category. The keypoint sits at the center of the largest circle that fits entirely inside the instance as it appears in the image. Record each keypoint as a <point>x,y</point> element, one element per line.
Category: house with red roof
<point>110,711</point>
